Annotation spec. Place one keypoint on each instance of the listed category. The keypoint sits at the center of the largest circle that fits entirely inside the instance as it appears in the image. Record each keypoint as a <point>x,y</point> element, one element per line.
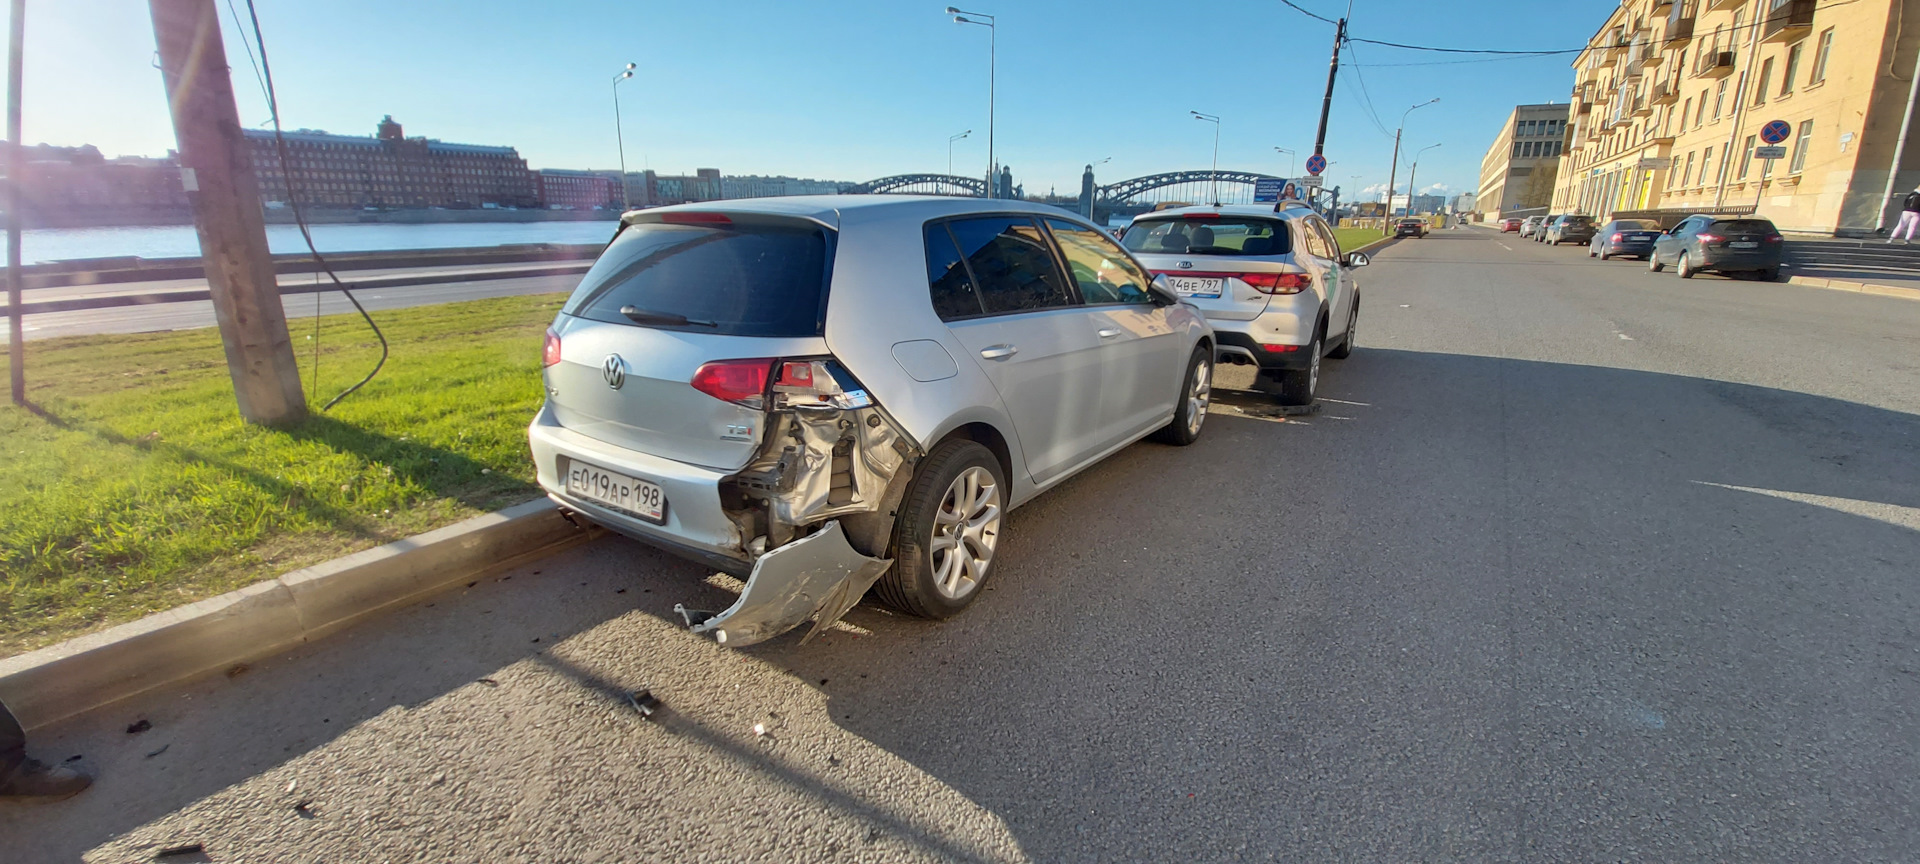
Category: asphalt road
<point>1576,563</point>
<point>199,313</point>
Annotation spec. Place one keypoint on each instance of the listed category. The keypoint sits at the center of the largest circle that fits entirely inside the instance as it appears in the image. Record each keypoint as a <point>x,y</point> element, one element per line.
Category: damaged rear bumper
<point>819,577</point>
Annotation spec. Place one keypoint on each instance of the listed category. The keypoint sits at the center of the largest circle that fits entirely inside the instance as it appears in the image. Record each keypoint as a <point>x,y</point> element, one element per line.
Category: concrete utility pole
<point>16,347</point>
<point>1326,103</point>
<point>226,212</point>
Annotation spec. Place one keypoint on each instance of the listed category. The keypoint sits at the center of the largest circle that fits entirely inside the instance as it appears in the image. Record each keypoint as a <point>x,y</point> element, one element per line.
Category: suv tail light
<point>1615,238</point>
<point>1775,238</point>
<point>1709,238</point>
<point>742,382</point>
<point>550,352</point>
<point>1278,283</point>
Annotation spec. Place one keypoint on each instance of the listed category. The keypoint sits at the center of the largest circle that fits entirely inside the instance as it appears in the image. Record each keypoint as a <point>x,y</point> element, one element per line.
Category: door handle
<point>1109,333</point>
<point>998,352</point>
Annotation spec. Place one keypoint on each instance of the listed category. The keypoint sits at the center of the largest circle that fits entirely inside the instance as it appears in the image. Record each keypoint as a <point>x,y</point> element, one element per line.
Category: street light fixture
<point>619,133</point>
<point>1290,157</point>
<point>950,140</point>
<point>1214,174</point>
<point>1410,175</point>
<point>993,38</point>
<point>1395,169</point>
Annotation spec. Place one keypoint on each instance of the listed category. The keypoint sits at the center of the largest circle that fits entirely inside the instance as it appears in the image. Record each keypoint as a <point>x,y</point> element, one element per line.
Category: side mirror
<point>1162,291</point>
<point>1355,259</point>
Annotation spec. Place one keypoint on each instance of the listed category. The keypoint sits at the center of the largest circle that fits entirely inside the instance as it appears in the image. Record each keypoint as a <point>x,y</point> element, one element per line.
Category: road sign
<point>1316,164</point>
<point>1312,181</point>
<point>1775,132</point>
<point>1770,152</point>
<point>1654,163</point>
<point>1267,189</point>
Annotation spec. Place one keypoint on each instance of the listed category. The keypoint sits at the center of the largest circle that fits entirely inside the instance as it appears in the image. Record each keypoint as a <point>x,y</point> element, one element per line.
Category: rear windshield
<point>1576,220</point>
<point>1745,226</point>
<point>1228,235</point>
<point>1636,225</point>
<point>734,279</point>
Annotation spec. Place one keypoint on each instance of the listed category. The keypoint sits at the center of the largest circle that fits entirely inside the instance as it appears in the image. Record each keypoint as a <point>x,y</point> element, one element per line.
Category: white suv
<point>829,393</point>
<point>1271,281</point>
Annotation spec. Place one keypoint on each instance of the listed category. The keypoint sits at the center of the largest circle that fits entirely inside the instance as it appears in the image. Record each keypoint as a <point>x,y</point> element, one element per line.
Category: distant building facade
<point>563,189</point>
<point>1463,202</point>
<point>1671,97</point>
<point>71,186</point>
<point>388,171</point>
<point>1519,169</point>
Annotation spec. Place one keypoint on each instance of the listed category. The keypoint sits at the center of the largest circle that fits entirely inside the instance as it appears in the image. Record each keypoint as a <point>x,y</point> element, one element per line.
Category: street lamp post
<point>620,134</point>
<point>1385,227</point>
<point>1213,174</point>
<point>993,50</point>
<point>950,140</point>
<point>1410,175</point>
<point>1290,157</point>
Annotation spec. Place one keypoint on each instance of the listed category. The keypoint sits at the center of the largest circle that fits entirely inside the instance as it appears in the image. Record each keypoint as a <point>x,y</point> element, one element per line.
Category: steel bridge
<point>1236,187</point>
<point>923,184</point>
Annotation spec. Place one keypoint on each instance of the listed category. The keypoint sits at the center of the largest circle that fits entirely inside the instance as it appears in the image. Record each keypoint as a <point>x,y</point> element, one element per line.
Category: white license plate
<point>1196,286</point>
<point>1743,244</point>
<point>616,490</point>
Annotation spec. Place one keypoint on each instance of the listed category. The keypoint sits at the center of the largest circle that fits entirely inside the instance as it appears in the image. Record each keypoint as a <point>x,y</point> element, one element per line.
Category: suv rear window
<point>752,279</point>
<point>1227,235</point>
<point>1745,226</point>
<point>1576,220</point>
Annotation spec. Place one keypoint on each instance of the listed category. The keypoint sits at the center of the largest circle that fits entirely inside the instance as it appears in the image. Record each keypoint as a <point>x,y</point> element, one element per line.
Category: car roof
<point>1257,210</point>
<point>830,209</point>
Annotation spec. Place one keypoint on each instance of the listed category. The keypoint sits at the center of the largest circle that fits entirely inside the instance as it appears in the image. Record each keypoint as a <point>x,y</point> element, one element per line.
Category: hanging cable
<point>300,219</point>
<point>248,46</point>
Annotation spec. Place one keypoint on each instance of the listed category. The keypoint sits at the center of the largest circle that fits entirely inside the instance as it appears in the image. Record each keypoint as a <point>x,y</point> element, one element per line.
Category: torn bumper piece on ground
<point>820,577</point>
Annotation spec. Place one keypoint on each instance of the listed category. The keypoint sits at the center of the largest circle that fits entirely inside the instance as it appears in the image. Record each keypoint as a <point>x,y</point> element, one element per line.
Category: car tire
<point>1297,386</point>
<point>1685,267</point>
<point>914,583</point>
<point>1653,263</point>
<point>1196,393</point>
<point>1346,342</point>
<point>1771,274</point>
<point>1604,255</point>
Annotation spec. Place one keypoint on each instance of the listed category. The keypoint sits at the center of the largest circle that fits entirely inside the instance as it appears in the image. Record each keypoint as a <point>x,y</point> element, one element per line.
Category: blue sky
<point>843,90</point>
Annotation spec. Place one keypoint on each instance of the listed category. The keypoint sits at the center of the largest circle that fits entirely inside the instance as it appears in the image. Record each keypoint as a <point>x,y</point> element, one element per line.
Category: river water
<point>178,241</point>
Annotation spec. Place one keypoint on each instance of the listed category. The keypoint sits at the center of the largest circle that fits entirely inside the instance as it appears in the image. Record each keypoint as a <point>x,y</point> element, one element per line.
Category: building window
<point>1746,157</point>
<point>1700,113</point>
<point>1820,54</point>
<point>1766,80</point>
<point>1719,99</point>
<point>1792,68</point>
<point>1686,178</point>
<point>1800,147</point>
<point>1706,165</point>
<point>1684,111</point>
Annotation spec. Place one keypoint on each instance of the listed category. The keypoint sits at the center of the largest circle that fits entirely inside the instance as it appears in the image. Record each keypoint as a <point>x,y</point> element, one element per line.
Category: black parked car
<point>1415,228</point>
<point>1722,244</point>
<point>1571,228</point>
<point>1626,237</point>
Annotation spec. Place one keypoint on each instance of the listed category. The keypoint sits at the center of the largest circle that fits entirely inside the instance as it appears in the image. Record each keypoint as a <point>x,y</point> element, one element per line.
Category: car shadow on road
<point>1476,608</point>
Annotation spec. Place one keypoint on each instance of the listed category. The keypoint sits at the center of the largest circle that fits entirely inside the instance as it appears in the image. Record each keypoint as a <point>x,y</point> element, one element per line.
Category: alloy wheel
<point>966,529</point>
<point>1199,396</point>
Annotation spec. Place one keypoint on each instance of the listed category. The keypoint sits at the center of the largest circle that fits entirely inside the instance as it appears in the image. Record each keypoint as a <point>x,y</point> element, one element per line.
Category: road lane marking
<point>1503,246</point>
<point>1892,514</point>
<point>1624,336</point>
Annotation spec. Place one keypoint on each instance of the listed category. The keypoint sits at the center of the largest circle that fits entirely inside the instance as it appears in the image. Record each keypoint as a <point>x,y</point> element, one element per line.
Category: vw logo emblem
<point>614,370</point>
<point>1186,265</point>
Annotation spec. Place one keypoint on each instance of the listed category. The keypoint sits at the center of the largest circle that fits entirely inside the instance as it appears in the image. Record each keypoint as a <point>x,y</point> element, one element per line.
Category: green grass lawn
<point>132,485</point>
<point>1353,238</point>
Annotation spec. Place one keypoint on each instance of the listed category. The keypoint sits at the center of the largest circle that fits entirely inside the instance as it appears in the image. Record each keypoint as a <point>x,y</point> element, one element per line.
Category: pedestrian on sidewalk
<point>1909,218</point>
<point>23,779</point>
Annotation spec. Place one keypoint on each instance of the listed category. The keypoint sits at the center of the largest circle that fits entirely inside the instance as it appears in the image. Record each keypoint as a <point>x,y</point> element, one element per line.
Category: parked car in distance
<point>1415,228</point>
<point>1571,228</point>
<point>1720,244</point>
<point>1624,237</point>
<point>1540,231</point>
<point>1272,281</point>
<point>1510,226</point>
<point>1530,225</point>
<point>760,385</point>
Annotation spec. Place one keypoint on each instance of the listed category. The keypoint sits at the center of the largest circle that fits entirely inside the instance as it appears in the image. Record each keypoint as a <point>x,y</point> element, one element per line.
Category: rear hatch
<point>1742,236</point>
<point>1227,265</point>
<point>675,294</point>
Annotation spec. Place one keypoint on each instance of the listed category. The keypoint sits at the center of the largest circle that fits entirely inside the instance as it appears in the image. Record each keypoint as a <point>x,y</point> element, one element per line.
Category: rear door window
<point>948,281</point>
<point>766,278</point>
<point>1227,235</point>
<point>1745,226</point>
<point>1011,263</point>
<point>1104,273</point>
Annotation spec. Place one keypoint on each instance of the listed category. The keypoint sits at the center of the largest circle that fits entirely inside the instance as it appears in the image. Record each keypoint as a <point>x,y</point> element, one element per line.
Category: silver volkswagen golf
<point>831,394</point>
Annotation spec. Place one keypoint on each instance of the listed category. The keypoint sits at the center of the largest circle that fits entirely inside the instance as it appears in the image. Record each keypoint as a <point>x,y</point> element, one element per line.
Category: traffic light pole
<point>218,176</point>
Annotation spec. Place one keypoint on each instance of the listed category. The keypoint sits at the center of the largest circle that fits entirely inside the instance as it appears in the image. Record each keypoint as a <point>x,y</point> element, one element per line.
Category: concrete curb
<point>287,289</point>
<point>1856,287</point>
<point>265,618</point>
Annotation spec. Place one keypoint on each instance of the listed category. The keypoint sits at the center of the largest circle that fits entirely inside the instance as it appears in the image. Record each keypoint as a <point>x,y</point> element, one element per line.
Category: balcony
<point>1646,56</point>
<point>1713,5</point>
<point>1641,108</point>
<point>1789,20</point>
<point>1664,94</point>
<point>1679,24</point>
<point>1585,108</point>
<point>1713,64</point>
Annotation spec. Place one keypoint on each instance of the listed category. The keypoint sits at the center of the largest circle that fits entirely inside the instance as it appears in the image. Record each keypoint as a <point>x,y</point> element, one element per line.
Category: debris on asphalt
<point>163,749</point>
<point>489,682</point>
<point>139,726</point>
<point>693,617</point>
<point>181,850</point>
<point>305,810</point>
<point>238,670</point>
<point>644,703</point>
<point>292,783</point>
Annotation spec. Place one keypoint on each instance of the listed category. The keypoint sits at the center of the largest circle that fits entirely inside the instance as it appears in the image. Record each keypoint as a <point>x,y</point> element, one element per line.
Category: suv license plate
<point>1743,244</point>
<point>1195,286</point>
<point>616,490</point>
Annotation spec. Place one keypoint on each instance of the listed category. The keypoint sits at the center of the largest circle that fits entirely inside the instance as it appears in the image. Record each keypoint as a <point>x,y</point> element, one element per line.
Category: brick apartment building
<point>390,171</point>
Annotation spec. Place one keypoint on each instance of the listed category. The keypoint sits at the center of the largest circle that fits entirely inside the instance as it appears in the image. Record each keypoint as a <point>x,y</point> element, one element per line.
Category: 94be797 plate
<point>1196,286</point>
<point>618,491</point>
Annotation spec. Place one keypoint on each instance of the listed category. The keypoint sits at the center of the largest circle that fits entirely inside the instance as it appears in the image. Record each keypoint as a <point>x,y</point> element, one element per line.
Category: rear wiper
<point>642,316</point>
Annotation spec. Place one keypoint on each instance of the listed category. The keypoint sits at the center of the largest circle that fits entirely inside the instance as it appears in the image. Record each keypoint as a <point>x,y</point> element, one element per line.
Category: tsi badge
<point>737,432</point>
<point>614,370</point>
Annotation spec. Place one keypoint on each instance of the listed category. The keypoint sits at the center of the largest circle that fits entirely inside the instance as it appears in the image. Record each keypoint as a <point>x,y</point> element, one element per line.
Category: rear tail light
<point>1277,283</point>
<point>1280,349</point>
<point>1710,238</point>
<point>1615,238</point>
<point>1202,216</point>
<point>815,383</point>
<point>742,382</point>
<point>550,352</point>
<point>695,218</point>
<point>1775,238</point>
